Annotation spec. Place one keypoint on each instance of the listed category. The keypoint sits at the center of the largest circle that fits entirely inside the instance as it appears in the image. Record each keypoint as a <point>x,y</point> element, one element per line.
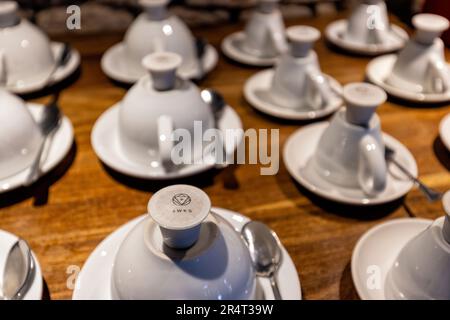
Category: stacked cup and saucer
<point>367,31</point>
<point>404,259</point>
<point>296,89</point>
<point>157,30</point>
<point>182,249</point>
<point>419,73</point>
<point>344,160</point>
<point>163,117</point>
<point>262,41</point>
<point>29,61</point>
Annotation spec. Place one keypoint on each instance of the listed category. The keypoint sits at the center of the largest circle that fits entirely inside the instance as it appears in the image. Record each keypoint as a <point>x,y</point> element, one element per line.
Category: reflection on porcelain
<point>368,23</point>
<point>265,31</point>
<point>298,81</point>
<point>25,50</point>
<point>421,270</point>
<point>421,67</point>
<point>154,263</point>
<point>350,152</point>
<point>156,30</point>
<point>157,105</point>
<point>19,135</point>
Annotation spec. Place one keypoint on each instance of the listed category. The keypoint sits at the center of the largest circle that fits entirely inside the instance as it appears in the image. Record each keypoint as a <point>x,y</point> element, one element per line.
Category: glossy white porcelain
<point>25,51</point>
<point>444,131</point>
<point>350,153</point>
<point>55,151</point>
<point>156,30</point>
<point>298,156</point>
<point>156,106</point>
<point>183,250</point>
<point>368,23</point>
<point>421,67</point>
<point>19,135</point>
<point>298,82</point>
<point>36,289</point>
<point>376,251</point>
<point>265,31</point>
<point>257,93</point>
<point>420,270</point>
<point>94,280</point>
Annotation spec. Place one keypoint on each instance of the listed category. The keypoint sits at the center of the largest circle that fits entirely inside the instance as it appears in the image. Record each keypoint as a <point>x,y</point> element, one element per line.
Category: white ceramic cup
<point>421,65</point>
<point>368,23</point>
<point>155,30</point>
<point>20,136</point>
<point>157,105</point>
<point>265,31</point>
<point>298,81</point>
<point>421,270</point>
<point>350,152</point>
<point>27,56</point>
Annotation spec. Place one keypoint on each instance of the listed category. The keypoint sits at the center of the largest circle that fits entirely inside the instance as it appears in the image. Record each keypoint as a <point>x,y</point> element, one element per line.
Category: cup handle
<point>372,169</point>
<point>165,143</point>
<point>320,83</point>
<point>440,75</point>
<point>3,69</point>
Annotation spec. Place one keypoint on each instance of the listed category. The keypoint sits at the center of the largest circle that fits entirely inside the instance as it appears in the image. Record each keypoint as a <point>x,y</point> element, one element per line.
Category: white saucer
<point>334,32</point>
<point>256,92</point>
<point>444,131</point>
<point>105,141</point>
<point>59,75</point>
<point>232,48</point>
<point>7,240</point>
<point>300,148</point>
<point>61,143</point>
<point>380,68</point>
<point>378,248</point>
<point>115,67</point>
<point>94,280</point>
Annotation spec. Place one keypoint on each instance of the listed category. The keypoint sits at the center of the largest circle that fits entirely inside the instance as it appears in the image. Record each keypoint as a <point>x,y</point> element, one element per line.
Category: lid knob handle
<point>8,14</point>
<point>267,6</point>
<point>179,211</point>
<point>429,27</point>
<point>162,67</point>
<point>302,39</point>
<point>362,100</point>
<point>446,228</point>
<point>155,9</point>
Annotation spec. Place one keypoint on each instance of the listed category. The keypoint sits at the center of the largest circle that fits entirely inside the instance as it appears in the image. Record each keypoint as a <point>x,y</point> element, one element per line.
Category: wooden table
<point>86,202</point>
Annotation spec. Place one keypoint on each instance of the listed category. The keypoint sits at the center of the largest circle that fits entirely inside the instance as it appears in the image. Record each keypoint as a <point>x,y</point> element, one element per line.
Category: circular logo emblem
<point>181,199</point>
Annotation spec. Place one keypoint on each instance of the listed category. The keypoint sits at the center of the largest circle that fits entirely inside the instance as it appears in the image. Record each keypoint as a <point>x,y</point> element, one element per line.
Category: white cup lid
<point>179,207</point>
<point>302,34</point>
<point>364,94</point>
<point>162,62</point>
<point>430,22</point>
<point>153,3</point>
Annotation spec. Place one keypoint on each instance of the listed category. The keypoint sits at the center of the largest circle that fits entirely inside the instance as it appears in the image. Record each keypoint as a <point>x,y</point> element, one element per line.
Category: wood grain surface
<point>87,201</point>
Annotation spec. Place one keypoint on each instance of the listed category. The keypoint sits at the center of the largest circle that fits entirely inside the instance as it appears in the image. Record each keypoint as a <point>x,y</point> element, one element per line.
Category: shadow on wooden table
<point>40,190</point>
<point>347,290</point>
<point>442,153</point>
<point>347,211</point>
<point>201,180</point>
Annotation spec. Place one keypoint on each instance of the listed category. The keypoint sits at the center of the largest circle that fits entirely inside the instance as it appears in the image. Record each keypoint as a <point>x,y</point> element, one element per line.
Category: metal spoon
<point>217,103</point>
<point>62,60</point>
<point>200,46</point>
<point>50,121</point>
<point>432,195</point>
<point>19,271</point>
<point>265,251</point>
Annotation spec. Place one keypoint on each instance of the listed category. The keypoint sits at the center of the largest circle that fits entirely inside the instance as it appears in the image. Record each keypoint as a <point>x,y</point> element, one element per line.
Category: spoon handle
<point>276,291</point>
